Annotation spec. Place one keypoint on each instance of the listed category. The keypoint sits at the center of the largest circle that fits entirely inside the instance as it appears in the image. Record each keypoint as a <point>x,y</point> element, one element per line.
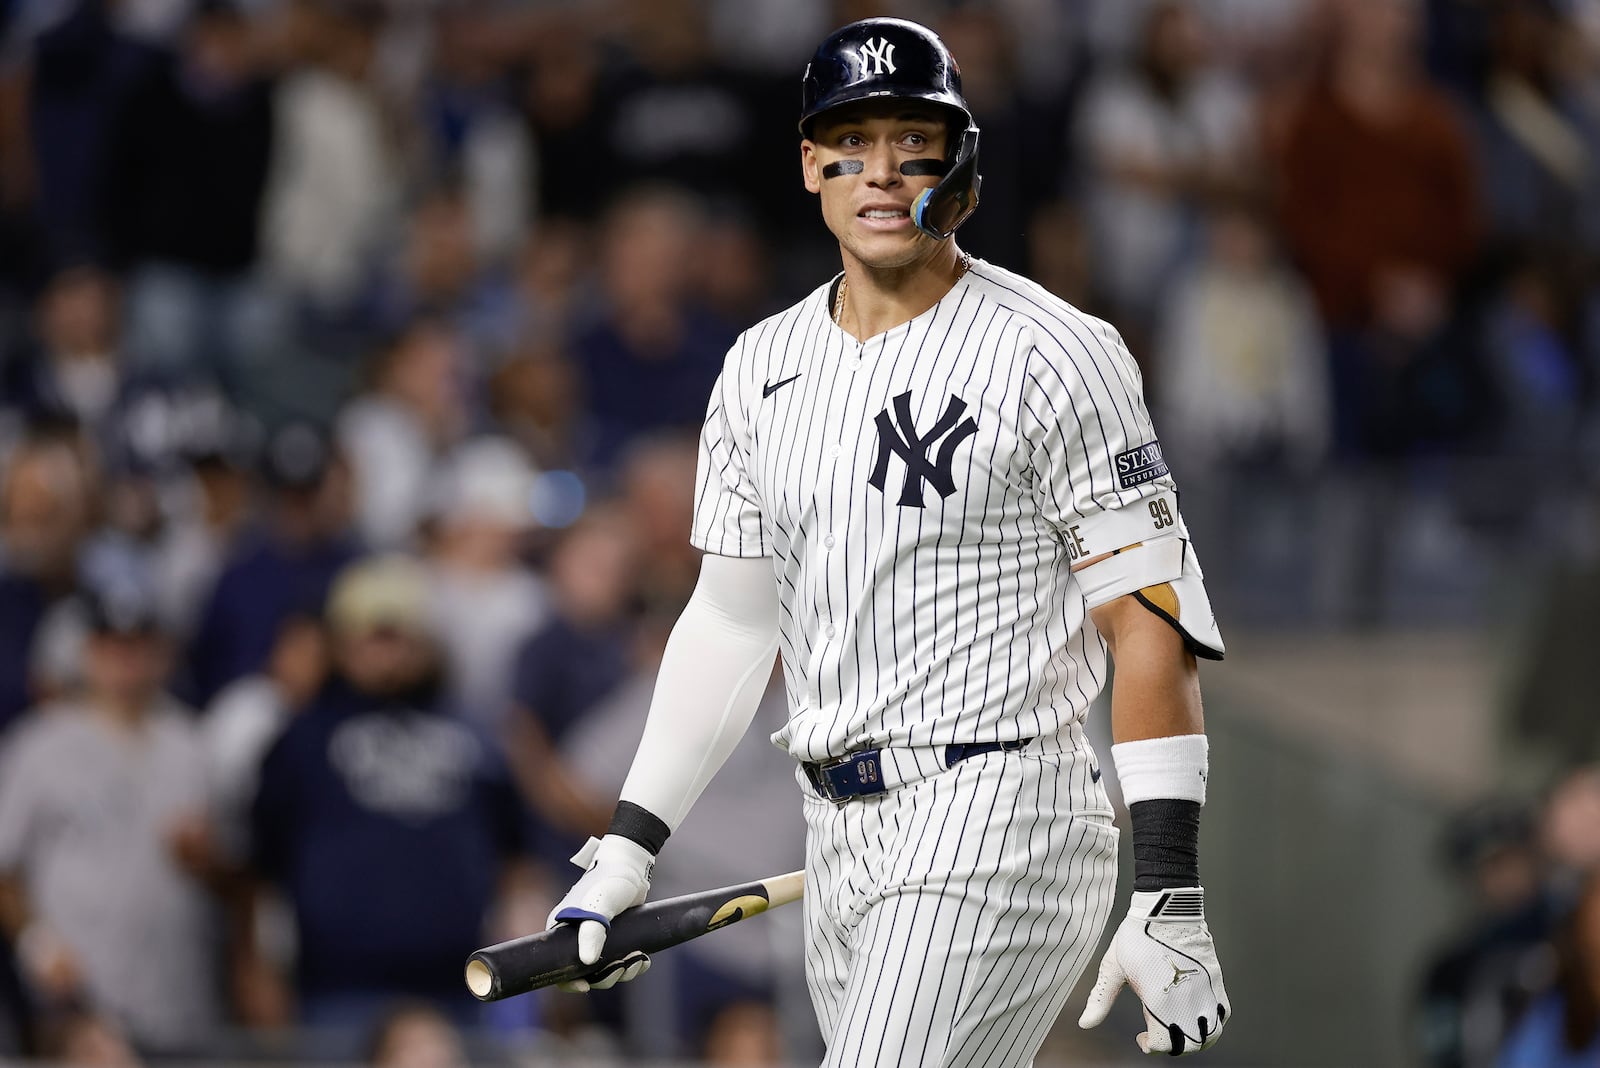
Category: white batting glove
<point>1163,950</point>
<point>618,877</point>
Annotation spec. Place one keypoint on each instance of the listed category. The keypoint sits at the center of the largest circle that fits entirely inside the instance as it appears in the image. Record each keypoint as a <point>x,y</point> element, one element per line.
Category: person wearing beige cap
<point>386,821</point>
<point>381,597</point>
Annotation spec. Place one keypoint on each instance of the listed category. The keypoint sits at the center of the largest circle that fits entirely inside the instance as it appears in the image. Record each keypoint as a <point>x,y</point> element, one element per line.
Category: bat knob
<point>480,980</point>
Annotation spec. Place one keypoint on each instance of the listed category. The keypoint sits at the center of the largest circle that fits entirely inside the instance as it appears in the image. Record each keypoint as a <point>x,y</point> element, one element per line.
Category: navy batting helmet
<point>893,58</point>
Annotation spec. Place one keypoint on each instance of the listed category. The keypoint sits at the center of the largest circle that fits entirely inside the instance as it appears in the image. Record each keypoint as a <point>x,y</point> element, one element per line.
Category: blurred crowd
<point>1519,987</point>
<point>351,358</point>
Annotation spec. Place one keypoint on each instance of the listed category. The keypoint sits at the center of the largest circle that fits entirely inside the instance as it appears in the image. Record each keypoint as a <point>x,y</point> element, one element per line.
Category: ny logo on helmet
<point>912,448</point>
<point>876,56</point>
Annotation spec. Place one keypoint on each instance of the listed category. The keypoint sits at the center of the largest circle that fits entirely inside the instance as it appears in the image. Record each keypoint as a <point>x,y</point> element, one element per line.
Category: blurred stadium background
<point>351,355</point>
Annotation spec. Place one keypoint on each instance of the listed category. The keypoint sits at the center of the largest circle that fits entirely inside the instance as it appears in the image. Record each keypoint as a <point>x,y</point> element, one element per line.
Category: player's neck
<point>876,299</point>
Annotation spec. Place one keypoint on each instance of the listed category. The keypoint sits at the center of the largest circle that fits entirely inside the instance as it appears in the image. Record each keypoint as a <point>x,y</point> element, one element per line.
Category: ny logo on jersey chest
<point>912,448</point>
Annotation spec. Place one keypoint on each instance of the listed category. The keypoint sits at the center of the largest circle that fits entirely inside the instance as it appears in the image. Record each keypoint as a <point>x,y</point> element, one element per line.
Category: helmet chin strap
<point>938,211</point>
<point>919,213</point>
<point>914,168</point>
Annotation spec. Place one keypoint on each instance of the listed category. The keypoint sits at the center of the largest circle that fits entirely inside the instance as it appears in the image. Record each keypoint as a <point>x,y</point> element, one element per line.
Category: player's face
<point>853,160</point>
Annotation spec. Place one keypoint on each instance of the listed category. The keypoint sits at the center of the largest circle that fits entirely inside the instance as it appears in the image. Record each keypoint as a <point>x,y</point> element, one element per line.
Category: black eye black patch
<point>842,167</point>
<point>912,168</point>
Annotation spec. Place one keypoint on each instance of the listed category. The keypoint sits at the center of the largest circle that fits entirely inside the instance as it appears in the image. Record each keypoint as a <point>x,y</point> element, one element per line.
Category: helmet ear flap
<point>937,212</point>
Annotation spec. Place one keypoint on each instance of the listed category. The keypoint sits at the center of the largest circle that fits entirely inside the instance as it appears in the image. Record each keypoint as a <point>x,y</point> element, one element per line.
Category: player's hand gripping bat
<point>551,957</point>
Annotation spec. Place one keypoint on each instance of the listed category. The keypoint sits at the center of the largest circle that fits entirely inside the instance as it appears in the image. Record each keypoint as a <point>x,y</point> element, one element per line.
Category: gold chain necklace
<point>962,267</point>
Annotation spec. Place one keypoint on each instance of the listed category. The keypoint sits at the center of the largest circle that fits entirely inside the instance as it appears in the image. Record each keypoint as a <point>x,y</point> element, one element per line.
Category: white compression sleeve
<point>712,676</point>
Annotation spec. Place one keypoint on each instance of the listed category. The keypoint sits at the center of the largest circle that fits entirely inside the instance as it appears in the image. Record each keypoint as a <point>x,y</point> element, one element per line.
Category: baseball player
<point>934,489</point>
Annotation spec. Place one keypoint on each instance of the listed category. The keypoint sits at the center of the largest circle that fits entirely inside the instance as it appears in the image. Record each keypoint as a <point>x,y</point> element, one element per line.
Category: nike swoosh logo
<point>1095,774</point>
<point>769,388</point>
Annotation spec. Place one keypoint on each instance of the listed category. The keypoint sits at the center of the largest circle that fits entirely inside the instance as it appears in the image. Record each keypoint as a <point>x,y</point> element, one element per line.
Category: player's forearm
<point>712,676</point>
<point>1156,691</point>
<point>1161,753</point>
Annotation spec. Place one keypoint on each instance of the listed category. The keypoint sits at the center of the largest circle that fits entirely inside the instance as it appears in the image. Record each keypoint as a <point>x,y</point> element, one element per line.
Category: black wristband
<point>1166,843</point>
<point>640,826</point>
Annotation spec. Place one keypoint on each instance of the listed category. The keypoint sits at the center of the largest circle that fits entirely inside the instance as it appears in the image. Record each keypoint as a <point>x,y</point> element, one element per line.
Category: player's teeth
<point>875,213</point>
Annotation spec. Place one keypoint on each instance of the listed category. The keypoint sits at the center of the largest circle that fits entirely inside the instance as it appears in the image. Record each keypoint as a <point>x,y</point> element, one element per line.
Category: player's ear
<point>810,168</point>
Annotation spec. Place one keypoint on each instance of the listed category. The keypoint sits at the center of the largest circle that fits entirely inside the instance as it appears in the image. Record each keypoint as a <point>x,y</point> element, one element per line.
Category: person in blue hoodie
<point>1562,1028</point>
<point>388,824</point>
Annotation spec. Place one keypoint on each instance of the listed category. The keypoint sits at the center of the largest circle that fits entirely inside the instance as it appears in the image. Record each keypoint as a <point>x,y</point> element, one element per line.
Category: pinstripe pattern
<point>947,918</point>
<point>958,621</point>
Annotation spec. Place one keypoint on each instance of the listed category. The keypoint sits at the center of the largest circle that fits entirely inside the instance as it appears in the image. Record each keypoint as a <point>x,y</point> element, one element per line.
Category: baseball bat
<point>550,957</point>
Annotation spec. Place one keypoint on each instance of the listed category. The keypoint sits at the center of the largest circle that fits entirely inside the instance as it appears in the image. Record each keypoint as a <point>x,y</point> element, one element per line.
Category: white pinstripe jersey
<point>922,496</point>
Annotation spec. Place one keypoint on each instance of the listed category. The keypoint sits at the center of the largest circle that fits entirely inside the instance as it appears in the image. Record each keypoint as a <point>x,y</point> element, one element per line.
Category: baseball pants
<point>947,919</point>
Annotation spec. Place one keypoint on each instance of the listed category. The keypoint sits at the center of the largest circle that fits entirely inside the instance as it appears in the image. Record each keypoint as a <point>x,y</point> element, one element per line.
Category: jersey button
<point>835,451</point>
<point>828,541</point>
<point>829,631</point>
<point>855,365</point>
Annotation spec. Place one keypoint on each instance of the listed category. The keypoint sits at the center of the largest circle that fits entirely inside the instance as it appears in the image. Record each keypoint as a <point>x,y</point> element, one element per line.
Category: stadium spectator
<point>414,1035</point>
<point>1243,405</point>
<point>207,502</point>
<point>473,136</point>
<point>534,399</point>
<point>1061,258</point>
<point>396,434</point>
<point>439,272</point>
<point>387,823</point>
<point>71,367</point>
<point>189,154</point>
<point>550,282</point>
<point>1243,373</point>
<point>735,270</point>
<point>247,717</point>
<point>1562,1029</point>
<point>170,453</point>
<point>1538,131</point>
<point>1159,136</point>
<point>1475,987</point>
<point>562,105</point>
<point>175,489</point>
<point>675,114</point>
<point>485,602</point>
<point>657,485</point>
<point>65,69</point>
<point>581,654</point>
<point>105,843</point>
<point>44,519</point>
<point>1570,825</point>
<point>1019,170</point>
<point>649,360</point>
<point>279,567</point>
<point>331,200</point>
<point>1379,205</point>
<point>1535,361</point>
